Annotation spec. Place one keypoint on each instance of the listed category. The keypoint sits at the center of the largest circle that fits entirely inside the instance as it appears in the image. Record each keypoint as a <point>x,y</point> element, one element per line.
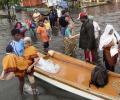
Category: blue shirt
<point>18,47</point>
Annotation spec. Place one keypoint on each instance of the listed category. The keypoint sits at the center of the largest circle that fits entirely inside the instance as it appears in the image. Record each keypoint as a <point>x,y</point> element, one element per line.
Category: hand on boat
<point>39,55</point>
<point>31,66</point>
<point>29,70</point>
<point>36,60</point>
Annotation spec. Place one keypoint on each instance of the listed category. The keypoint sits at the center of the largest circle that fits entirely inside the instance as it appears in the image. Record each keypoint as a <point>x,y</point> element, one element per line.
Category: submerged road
<point>103,15</point>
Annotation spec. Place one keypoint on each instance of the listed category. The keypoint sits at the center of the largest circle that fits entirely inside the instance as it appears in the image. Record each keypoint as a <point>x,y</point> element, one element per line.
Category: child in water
<point>43,36</point>
<point>48,27</point>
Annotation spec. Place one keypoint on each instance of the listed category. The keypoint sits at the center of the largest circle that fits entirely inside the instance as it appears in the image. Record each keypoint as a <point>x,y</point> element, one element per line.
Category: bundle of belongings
<point>48,66</point>
<point>99,75</point>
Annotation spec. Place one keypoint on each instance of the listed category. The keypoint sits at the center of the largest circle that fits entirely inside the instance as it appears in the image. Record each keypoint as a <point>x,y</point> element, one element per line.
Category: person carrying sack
<point>109,42</point>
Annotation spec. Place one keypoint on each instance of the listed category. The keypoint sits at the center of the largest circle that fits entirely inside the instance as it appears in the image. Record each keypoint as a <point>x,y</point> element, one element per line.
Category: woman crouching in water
<point>109,42</point>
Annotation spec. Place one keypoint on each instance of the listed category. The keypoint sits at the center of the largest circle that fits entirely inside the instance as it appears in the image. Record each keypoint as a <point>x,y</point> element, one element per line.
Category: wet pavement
<point>103,15</point>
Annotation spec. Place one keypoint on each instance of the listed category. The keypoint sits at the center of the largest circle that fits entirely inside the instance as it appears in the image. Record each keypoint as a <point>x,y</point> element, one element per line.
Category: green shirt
<point>68,32</point>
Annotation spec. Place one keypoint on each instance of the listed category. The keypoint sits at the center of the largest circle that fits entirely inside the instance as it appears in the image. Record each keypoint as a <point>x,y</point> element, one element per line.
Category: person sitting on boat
<point>69,42</point>
<point>43,36</point>
<point>109,42</point>
<point>30,53</point>
<point>9,64</point>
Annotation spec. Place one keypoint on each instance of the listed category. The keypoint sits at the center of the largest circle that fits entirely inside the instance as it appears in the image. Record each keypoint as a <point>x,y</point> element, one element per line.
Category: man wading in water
<point>87,38</point>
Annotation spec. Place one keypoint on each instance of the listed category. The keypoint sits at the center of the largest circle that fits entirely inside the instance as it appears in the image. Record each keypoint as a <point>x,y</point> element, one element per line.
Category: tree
<point>9,4</point>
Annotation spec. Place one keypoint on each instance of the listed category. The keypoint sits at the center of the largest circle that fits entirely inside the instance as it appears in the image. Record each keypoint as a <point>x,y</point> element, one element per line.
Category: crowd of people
<point>21,55</point>
<point>92,42</point>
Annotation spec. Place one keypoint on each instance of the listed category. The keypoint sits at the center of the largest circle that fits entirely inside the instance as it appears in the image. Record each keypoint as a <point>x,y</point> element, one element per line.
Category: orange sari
<point>30,53</point>
<point>22,65</point>
<point>13,63</point>
<point>9,63</point>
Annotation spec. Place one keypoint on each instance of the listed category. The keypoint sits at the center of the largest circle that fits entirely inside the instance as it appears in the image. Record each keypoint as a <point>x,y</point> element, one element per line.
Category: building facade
<point>29,3</point>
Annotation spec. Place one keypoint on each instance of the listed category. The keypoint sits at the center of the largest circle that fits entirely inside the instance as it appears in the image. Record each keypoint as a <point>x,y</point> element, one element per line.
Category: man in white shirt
<point>96,29</point>
<point>59,11</point>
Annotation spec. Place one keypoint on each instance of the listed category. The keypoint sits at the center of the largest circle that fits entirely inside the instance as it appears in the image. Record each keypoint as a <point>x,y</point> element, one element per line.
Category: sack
<point>99,77</point>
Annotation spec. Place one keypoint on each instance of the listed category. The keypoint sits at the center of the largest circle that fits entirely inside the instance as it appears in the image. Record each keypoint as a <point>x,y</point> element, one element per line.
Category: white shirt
<point>59,10</point>
<point>96,29</point>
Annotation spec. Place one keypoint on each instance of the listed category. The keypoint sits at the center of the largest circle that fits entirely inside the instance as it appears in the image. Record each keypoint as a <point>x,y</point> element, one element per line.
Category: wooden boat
<point>74,76</point>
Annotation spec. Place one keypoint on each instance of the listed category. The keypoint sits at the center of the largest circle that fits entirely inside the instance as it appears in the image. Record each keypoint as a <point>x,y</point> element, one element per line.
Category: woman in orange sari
<point>30,53</point>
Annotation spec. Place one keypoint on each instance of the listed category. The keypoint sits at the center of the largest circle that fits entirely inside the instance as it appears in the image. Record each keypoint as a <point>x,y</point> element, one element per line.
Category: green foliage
<point>10,2</point>
<point>14,1</point>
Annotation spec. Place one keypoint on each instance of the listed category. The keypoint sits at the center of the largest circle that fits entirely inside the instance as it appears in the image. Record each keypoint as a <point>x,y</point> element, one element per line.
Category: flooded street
<point>103,15</point>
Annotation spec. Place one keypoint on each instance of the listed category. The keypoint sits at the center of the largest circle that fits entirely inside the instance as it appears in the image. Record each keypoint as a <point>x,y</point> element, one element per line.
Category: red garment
<point>89,56</point>
<point>28,22</point>
<point>81,15</point>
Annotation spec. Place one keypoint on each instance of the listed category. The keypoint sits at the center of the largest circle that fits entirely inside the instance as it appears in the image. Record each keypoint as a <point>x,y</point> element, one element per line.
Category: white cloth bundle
<point>48,66</point>
<point>106,38</point>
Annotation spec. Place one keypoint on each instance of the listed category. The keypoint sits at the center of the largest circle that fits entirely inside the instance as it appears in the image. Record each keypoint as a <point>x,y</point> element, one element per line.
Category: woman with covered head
<point>31,56</point>
<point>109,42</point>
<point>69,41</point>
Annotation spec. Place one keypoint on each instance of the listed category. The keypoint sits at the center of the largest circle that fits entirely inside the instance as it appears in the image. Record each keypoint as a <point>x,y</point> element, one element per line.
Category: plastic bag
<point>48,66</point>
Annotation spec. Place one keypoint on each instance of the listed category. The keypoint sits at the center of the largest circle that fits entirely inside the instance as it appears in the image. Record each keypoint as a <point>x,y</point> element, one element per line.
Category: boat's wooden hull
<point>74,77</point>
